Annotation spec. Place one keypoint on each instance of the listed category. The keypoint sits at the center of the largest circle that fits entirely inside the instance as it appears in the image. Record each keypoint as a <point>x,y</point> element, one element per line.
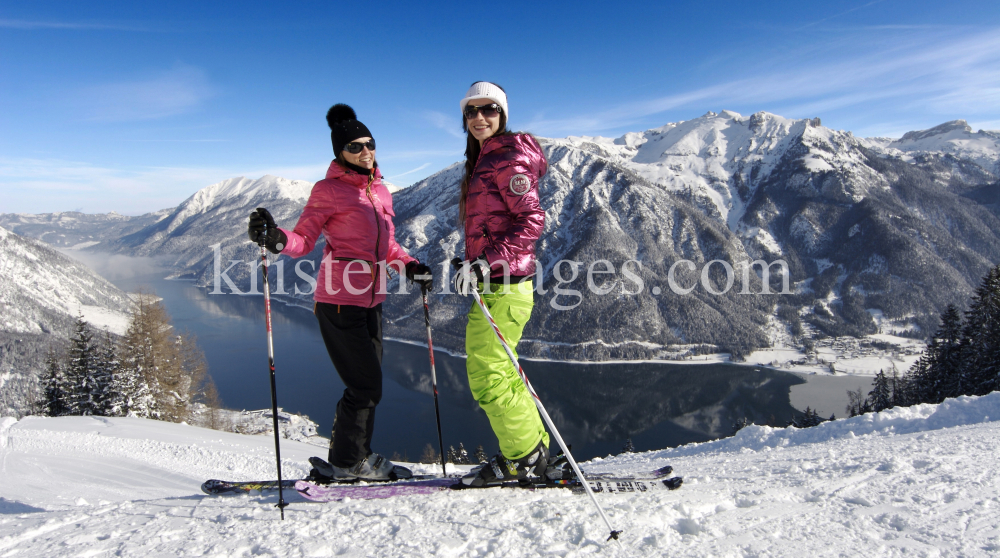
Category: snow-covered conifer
<point>54,385</point>
<point>82,392</point>
<point>982,333</point>
<point>881,393</point>
<point>628,447</point>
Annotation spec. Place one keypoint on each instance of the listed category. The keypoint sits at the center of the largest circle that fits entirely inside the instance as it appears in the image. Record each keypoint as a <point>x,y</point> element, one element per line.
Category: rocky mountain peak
<point>940,129</point>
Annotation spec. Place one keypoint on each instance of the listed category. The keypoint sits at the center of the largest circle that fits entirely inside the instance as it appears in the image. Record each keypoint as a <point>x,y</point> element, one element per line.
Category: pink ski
<point>330,492</point>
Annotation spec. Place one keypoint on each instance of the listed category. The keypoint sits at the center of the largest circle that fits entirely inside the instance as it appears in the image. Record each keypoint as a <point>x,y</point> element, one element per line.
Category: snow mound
<point>904,482</point>
<point>961,411</point>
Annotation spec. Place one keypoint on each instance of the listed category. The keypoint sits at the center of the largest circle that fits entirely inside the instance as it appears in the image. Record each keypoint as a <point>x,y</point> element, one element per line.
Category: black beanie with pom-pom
<point>344,127</point>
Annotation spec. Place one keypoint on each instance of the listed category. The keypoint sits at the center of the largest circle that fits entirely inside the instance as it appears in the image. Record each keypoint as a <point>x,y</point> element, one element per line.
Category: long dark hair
<point>472,150</point>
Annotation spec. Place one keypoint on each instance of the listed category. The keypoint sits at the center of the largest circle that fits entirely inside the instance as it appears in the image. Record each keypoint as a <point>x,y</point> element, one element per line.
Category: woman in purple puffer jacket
<point>500,210</point>
<point>352,209</point>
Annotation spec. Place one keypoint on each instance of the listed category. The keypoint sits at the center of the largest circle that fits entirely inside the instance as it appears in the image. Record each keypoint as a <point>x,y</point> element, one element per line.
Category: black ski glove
<point>421,274</point>
<point>263,231</point>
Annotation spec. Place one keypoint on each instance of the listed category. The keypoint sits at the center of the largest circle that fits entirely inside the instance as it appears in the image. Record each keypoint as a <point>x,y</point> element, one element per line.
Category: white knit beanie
<point>486,90</point>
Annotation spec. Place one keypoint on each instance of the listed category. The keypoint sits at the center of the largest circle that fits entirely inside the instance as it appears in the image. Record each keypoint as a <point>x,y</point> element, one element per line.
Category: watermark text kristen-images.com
<point>602,276</point>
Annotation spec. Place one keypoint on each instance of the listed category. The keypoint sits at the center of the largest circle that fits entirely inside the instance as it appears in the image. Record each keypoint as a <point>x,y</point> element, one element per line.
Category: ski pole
<point>434,382</point>
<point>270,364</point>
<point>545,415</point>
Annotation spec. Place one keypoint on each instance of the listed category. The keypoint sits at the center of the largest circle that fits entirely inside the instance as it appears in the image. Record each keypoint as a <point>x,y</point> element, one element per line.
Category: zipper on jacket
<point>378,235</point>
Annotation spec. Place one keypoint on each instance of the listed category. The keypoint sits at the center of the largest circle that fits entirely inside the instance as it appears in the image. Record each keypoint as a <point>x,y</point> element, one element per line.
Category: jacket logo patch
<point>519,184</point>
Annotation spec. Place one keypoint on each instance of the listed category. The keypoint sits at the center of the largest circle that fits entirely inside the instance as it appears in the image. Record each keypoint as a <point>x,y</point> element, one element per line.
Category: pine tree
<point>481,454</point>
<point>81,389</point>
<point>429,455</point>
<point>628,447</point>
<point>811,418</point>
<point>881,394</point>
<point>949,357</point>
<point>740,424</point>
<point>105,367</point>
<point>169,366</point>
<point>898,386</point>
<point>130,395</point>
<point>452,456</point>
<point>982,334</point>
<point>54,385</point>
<point>463,456</point>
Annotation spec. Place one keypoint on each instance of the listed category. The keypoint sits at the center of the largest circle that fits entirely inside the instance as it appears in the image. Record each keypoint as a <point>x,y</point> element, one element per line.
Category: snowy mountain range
<point>877,235</point>
<point>42,292</point>
<point>72,229</point>
<point>875,238</point>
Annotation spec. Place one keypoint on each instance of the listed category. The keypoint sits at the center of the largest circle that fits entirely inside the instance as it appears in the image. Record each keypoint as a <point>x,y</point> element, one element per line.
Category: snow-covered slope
<point>41,294</point>
<point>40,288</point>
<point>215,214</point>
<point>921,481</point>
<point>954,138</point>
<point>716,155</point>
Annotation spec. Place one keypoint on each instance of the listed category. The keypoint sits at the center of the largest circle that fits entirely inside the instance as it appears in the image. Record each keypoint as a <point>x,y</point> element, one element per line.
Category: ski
<point>599,484</point>
<point>216,487</point>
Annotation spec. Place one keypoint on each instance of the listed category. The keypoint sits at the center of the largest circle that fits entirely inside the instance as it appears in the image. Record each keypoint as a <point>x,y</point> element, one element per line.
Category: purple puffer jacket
<point>354,214</point>
<point>503,213</point>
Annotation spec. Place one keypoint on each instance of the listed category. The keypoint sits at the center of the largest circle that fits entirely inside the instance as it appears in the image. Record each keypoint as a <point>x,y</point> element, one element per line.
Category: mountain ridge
<point>876,234</point>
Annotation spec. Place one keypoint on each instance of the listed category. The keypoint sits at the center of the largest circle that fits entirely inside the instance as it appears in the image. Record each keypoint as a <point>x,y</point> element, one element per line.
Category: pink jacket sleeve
<point>319,208</point>
<point>396,252</point>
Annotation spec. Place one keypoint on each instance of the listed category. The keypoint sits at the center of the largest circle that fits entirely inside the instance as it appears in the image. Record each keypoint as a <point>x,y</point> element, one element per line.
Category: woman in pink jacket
<point>352,209</point>
<point>500,211</point>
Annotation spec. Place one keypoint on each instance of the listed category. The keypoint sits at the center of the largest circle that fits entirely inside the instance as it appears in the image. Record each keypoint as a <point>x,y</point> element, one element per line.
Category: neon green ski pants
<point>493,379</point>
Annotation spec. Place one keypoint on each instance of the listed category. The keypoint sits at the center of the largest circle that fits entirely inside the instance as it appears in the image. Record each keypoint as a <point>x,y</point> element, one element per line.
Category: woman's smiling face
<point>364,159</point>
<point>480,126</point>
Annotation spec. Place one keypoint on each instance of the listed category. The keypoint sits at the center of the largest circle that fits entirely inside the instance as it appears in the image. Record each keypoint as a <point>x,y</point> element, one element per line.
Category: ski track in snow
<point>921,481</point>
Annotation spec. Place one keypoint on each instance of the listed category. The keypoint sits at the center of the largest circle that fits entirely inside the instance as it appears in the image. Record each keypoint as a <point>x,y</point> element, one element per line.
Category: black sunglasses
<point>355,147</point>
<point>489,111</point>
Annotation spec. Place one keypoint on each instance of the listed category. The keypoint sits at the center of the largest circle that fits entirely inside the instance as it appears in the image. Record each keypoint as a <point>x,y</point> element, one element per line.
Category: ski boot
<point>558,468</point>
<point>499,469</point>
<point>372,468</point>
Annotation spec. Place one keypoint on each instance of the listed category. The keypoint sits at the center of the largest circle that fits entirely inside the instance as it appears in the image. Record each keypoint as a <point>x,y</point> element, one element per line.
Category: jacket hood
<point>522,142</point>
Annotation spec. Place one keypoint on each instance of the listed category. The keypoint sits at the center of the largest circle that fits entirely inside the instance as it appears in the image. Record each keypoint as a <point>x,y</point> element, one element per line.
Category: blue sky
<point>133,106</point>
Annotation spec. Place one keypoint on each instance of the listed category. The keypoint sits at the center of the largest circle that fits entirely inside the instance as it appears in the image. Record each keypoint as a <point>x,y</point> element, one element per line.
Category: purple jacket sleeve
<point>519,188</point>
<point>319,208</point>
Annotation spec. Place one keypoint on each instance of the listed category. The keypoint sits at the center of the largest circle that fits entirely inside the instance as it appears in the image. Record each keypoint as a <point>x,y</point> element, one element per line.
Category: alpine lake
<point>596,406</point>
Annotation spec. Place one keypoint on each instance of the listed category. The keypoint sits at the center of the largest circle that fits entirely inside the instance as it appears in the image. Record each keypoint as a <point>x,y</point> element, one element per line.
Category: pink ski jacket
<point>354,214</point>
<point>503,213</point>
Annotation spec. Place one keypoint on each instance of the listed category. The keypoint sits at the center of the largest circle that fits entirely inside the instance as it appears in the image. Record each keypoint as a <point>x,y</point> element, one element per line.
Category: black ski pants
<point>353,337</point>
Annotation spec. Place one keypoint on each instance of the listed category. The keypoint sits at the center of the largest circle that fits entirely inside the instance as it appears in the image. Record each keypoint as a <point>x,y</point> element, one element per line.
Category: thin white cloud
<point>943,73</point>
<point>178,90</point>
<point>418,169</point>
<point>68,25</point>
<point>444,122</point>
<point>422,154</point>
<point>854,9</point>
<point>45,185</point>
